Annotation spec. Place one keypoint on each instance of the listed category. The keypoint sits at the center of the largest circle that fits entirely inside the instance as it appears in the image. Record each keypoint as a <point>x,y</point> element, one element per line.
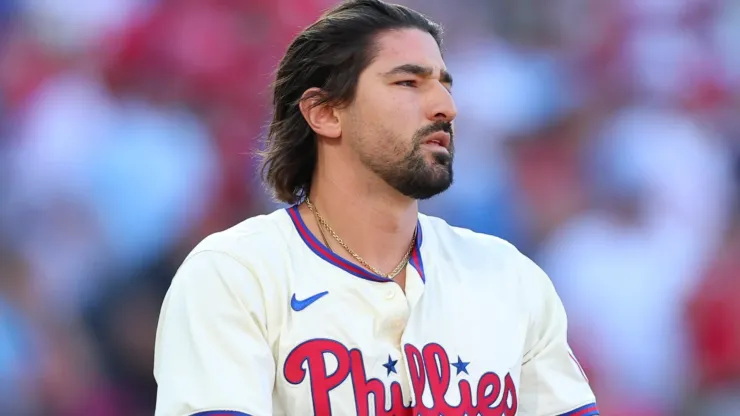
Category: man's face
<point>400,123</point>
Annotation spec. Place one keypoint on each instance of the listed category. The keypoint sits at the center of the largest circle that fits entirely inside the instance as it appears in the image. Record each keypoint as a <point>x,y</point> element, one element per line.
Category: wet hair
<point>329,55</point>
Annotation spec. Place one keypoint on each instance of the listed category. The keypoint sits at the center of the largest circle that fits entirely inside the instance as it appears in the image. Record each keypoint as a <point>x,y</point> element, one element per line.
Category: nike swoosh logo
<point>299,305</point>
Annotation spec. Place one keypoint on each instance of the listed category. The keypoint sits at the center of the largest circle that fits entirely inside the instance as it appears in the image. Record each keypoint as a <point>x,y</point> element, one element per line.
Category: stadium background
<point>601,137</point>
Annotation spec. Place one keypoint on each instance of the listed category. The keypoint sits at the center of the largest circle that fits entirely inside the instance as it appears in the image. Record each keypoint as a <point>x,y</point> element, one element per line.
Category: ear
<point>321,117</point>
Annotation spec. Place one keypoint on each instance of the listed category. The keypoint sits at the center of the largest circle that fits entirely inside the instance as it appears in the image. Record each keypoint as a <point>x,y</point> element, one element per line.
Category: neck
<point>373,219</point>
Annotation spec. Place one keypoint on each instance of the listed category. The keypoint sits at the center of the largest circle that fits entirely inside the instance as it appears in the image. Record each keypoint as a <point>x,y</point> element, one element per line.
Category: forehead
<point>407,46</point>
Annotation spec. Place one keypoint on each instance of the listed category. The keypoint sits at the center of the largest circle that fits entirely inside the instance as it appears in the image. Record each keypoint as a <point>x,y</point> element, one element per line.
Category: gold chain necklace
<point>321,228</point>
<point>323,224</point>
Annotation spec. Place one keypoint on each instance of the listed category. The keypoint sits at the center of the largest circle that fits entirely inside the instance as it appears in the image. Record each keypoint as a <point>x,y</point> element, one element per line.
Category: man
<point>350,302</point>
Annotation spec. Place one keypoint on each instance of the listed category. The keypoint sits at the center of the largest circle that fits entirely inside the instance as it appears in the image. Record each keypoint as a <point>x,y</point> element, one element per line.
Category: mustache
<point>425,131</point>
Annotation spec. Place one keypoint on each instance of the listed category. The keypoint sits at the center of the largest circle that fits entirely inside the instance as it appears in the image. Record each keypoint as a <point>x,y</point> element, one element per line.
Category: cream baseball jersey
<point>263,319</point>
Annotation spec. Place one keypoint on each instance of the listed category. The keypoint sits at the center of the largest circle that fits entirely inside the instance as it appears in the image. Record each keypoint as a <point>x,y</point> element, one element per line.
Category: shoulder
<point>463,243</point>
<point>241,264</point>
<point>259,239</point>
<point>249,256</point>
<point>473,249</point>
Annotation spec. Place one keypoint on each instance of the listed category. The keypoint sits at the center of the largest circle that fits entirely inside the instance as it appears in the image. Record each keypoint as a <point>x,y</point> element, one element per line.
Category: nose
<point>441,105</point>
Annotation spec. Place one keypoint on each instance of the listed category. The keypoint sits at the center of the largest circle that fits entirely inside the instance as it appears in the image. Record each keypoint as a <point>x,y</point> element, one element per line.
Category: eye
<point>407,83</point>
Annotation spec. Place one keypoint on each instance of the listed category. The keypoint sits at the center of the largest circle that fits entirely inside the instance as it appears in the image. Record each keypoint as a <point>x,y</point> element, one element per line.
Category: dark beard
<point>413,176</point>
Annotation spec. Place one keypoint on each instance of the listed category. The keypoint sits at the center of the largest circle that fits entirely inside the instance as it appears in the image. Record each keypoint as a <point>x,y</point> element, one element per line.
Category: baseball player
<point>351,302</point>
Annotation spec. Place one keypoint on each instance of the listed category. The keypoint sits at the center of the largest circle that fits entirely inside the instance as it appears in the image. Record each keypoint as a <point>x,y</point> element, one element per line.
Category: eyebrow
<point>421,71</point>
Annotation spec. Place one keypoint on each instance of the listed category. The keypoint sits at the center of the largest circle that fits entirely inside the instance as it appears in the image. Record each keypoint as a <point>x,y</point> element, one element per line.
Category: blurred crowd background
<point>600,137</point>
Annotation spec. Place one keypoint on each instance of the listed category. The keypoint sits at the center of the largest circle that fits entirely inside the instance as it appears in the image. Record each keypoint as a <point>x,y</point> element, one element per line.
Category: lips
<point>439,138</point>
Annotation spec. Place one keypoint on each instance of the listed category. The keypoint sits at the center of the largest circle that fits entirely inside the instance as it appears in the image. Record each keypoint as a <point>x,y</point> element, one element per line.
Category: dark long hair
<point>329,55</point>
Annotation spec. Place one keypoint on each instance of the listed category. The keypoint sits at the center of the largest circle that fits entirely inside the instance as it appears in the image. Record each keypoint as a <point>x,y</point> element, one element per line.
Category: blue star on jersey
<point>461,366</point>
<point>390,366</point>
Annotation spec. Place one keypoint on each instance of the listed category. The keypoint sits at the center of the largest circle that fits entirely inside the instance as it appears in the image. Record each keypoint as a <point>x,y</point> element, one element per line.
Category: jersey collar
<point>321,250</point>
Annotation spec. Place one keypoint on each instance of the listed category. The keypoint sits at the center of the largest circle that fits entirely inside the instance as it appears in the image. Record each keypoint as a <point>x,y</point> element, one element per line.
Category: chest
<point>449,345</point>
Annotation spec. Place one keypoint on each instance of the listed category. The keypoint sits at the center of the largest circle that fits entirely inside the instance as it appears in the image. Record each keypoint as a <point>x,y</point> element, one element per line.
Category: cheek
<point>402,116</point>
<point>384,144</point>
<point>405,105</point>
<point>386,122</point>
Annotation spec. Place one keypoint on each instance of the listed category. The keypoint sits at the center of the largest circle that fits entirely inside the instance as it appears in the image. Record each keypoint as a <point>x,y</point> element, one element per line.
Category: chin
<point>425,193</point>
<point>421,175</point>
<point>434,182</point>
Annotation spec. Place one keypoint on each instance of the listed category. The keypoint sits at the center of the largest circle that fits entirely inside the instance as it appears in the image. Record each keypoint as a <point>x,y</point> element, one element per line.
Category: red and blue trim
<point>325,253</point>
<point>220,413</point>
<point>587,410</point>
<point>415,259</point>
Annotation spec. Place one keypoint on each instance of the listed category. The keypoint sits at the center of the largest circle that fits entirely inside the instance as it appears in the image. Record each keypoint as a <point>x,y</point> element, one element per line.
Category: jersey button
<point>391,294</point>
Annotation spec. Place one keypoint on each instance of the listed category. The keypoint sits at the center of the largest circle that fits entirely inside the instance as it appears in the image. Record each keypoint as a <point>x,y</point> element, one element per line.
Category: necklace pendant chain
<point>323,225</point>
